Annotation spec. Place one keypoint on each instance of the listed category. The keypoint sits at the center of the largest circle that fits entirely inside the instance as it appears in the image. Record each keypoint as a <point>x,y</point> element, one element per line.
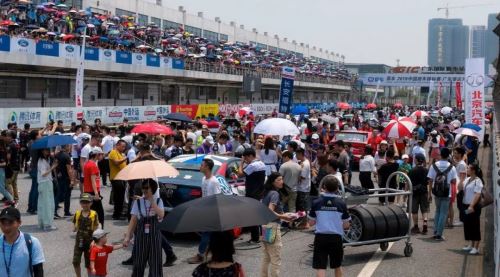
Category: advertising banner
<point>177,64</point>
<point>107,55</point>
<point>80,71</point>
<point>474,92</point>
<point>259,109</point>
<point>64,114</point>
<point>227,109</point>
<point>458,94</point>
<point>162,110</point>
<point>37,118</point>
<point>91,113</point>
<point>439,94</point>
<point>206,109</point>
<point>123,57</point>
<point>47,48</point>
<point>91,54</point>
<point>152,60</point>
<point>407,79</point>
<point>138,59</point>
<point>5,43</point>
<point>189,110</point>
<point>166,62</point>
<point>286,95</point>
<point>69,51</point>
<point>22,45</point>
<point>148,113</point>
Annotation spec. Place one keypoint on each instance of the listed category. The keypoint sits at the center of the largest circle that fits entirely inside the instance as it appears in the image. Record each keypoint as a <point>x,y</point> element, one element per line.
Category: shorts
<point>327,246</point>
<point>420,199</point>
<point>77,256</point>
<point>453,193</point>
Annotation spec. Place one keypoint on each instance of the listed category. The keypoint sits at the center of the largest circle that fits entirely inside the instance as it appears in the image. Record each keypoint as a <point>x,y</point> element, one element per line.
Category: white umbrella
<point>446,110</point>
<point>276,127</point>
<point>328,118</point>
<point>466,132</point>
<point>456,123</point>
<point>402,127</point>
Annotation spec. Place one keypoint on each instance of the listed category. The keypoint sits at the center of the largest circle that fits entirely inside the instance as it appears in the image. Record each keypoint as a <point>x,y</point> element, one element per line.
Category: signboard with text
<point>474,92</point>
<point>286,90</point>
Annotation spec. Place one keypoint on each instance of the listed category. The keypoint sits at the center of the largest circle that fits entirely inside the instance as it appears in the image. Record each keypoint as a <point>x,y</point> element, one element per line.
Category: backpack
<point>29,245</point>
<point>441,187</point>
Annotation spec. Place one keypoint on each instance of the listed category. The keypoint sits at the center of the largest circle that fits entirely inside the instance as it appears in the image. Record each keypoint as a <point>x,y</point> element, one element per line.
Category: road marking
<point>374,262</point>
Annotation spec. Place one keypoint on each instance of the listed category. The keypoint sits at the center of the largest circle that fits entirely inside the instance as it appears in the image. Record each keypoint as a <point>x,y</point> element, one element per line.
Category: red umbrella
<point>203,122</point>
<point>398,106</point>
<point>370,106</point>
<point>213,124</point>
<point>400,128</point>
<point>152,128</point>
<point>343,106</point>
<point>7,22</point>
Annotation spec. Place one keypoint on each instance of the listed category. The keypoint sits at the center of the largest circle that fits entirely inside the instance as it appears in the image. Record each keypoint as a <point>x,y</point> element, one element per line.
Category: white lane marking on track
<point>374,262</point>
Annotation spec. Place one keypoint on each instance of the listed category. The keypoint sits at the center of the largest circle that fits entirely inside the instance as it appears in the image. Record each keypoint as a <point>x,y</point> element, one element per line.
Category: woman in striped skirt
<point>146,214</point>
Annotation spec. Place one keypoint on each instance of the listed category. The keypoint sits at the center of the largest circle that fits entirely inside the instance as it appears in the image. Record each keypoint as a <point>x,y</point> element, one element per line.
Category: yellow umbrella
<point>147,169</point>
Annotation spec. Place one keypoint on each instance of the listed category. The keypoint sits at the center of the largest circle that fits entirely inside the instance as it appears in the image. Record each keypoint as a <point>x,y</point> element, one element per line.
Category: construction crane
<point>447,8</point>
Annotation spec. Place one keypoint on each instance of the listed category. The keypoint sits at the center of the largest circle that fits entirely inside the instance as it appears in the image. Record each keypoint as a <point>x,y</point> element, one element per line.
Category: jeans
<point>442,205</point>
<point>205,239</point>
<point>64,193</point>
<point>3,189</point>
<point>33,196</point>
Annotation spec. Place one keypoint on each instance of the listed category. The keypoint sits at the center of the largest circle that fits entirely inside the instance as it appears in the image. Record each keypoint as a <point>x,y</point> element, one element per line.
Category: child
<point>99,253</point>
<point>86,222</point>
<point>404,167</point>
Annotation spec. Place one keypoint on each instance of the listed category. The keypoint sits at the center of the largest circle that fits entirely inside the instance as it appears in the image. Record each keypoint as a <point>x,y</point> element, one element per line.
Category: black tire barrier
<point>377,223</point>
<point>367,224</point>
<point>380,225</point>
<point>403,221</point>
<point>391,221</point>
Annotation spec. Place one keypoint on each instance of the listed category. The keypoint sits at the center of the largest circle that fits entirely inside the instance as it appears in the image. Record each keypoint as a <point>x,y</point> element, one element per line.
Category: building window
<point>170,25</point>
<point>143,20</point>
<point>273,49</point>
<point>107,90</point>
<point>211,36</point>
<point>36,87</point>
<point>224,37</point>
<point>11,87</point>
<point>156,21</point>
<point>126,91</point>
<point>140,90</point>
<point>120,12</point>
<point>193,30</point>
<point>58,88</point>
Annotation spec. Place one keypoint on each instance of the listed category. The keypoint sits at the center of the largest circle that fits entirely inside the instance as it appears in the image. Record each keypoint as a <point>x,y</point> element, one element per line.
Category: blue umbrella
<point>300,110</point>
<point>472,126</point>
<point>178,117</point>
<point>53,141</point>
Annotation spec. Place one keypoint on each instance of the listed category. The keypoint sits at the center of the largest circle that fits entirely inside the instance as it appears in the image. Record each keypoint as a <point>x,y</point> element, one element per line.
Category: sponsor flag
<point>80,76</point>
<point>474,92</point>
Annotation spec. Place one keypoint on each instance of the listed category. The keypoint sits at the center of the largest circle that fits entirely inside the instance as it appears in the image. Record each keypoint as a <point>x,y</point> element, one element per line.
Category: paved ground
<point>429,258</point>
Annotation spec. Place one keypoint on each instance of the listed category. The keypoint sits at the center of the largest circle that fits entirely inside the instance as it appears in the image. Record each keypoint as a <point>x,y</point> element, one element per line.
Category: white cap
<point>405,156</point>
<point>209,139</point>
<point>99,233</point>
<point>384,142</point>
<point>315,136</point>
<point>434,132</point>
<point>96,150</point>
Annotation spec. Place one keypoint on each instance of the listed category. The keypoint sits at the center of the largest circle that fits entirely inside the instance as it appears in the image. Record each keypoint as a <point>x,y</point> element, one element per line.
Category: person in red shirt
<point>92,182</point>
<point>99,253</point>
<point>375,139</point>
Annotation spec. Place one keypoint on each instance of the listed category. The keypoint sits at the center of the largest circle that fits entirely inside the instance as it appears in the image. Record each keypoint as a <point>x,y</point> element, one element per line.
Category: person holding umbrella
<point>145,214</point>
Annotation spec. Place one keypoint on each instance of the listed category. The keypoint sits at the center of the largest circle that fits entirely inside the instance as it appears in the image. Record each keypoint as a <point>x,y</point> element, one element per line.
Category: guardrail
<point>495,178</point>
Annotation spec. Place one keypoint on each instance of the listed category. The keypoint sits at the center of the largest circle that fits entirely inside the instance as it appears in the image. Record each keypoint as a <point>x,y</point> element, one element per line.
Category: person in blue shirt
<point>329,213</point>
<point>14,254</point>
<point>420,131</point>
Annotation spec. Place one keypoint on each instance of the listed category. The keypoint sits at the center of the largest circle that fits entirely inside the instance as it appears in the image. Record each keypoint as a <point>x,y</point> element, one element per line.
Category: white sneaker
<point>467,248</point>
<point>474,251</point>
<point>458,224</point>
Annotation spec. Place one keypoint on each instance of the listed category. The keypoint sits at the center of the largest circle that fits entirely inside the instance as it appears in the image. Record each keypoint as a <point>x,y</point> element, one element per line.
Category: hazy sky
<point>368,31</point>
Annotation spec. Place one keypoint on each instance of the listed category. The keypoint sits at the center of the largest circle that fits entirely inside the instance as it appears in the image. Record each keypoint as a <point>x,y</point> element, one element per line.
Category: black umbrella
<point>217,213</point>
<point>178,117</point>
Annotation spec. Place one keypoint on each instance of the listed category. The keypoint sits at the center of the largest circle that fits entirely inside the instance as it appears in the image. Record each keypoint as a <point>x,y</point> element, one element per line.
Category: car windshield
<point>352,137</point>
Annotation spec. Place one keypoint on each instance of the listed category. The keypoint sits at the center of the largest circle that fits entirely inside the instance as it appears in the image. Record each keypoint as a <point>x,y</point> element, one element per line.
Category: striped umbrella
<point>467,132</point>
<point>400,128</point>
<point>419,114</point>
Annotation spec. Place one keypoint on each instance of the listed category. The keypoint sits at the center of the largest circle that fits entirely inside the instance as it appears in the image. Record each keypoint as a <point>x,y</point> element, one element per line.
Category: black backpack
<point>441,187</point>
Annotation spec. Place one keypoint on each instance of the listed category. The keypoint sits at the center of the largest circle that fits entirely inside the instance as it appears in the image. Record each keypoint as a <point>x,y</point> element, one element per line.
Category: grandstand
<point>155,55</point>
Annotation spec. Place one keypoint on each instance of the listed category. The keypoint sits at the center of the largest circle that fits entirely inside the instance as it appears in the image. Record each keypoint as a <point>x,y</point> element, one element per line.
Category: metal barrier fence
<point>263,73</point>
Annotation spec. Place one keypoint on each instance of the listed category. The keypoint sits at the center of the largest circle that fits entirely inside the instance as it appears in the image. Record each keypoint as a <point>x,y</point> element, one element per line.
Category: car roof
<point>198,158</point>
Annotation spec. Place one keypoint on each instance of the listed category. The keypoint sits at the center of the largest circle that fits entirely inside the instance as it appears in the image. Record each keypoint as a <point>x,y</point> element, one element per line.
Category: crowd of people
<point>58,22</point>
<point>293,176</point>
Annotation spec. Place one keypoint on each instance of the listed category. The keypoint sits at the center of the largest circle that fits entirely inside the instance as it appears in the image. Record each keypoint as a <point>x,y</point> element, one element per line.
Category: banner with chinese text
<point>474,92</point>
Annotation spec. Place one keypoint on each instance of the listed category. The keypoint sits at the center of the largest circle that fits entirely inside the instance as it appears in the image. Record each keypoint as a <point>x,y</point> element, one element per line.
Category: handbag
<point>269,232</point>
<point>486,198</point>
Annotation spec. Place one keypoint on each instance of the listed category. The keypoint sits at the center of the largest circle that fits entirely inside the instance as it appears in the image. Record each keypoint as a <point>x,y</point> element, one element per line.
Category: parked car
<point>187,185</point>
<point>357,139</point>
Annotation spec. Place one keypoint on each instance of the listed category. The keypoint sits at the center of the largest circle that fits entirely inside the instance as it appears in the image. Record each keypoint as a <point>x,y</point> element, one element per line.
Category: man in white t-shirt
<point>209,186</point>
<point>108,143</point>
<point>442,201</point>
<point>304,186</point>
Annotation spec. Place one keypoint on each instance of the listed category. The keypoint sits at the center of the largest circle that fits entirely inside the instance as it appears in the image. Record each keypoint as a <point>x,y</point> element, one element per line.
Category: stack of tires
<point>370,223</point>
